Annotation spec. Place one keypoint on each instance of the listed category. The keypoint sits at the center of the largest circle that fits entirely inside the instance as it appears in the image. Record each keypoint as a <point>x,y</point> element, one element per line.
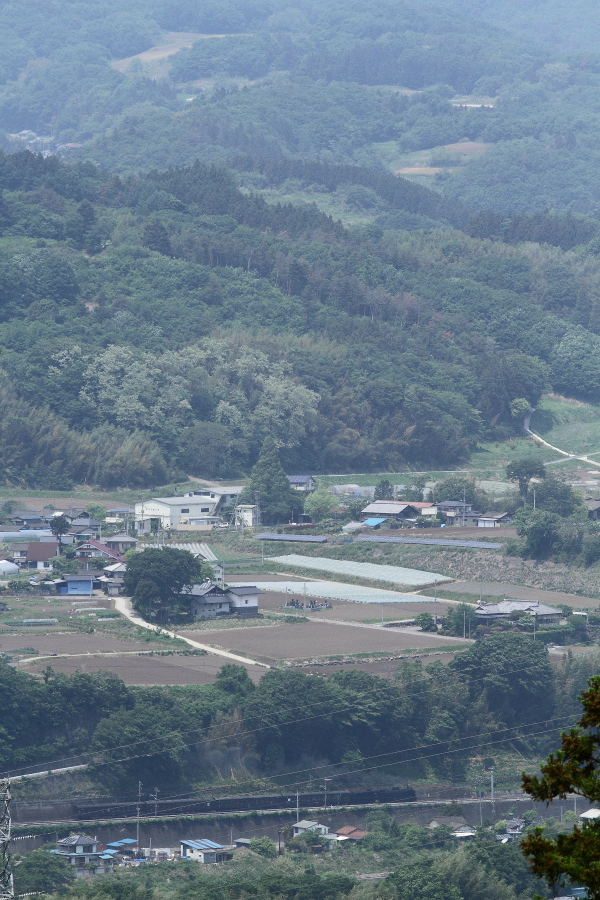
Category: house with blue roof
<point>204,851</point>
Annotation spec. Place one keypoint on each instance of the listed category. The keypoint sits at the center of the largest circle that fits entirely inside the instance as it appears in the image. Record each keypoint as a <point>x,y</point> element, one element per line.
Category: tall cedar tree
<point>270,486</point>
<point>572,769</point>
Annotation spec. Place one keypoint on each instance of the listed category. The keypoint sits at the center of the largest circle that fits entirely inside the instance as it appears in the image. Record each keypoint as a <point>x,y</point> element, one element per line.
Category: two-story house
<point>85,854</point>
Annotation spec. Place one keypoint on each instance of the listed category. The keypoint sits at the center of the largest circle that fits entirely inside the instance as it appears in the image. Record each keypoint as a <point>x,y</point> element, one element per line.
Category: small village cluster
<point>89,856</point>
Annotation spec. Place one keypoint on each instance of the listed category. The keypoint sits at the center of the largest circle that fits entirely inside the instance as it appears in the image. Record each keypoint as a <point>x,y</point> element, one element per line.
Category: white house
<point>177,513</point>
<point>219,496</point>
<point>306,825</point>
<point>246,515</point>
<point>204,851</point>
<point>85,854</point>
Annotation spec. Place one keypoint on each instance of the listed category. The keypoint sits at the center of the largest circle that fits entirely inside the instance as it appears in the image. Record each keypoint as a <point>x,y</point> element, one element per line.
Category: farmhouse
<point>40,555</point>
<point>121,542</point>
<point>398,509</point>
<point>211,600</point>
<point>303,483</point>
<point>85,854</point>
<point>112,578</point>
<point>94,550</point>
<point>204,851</point>
<point>306,825</point>
<point>487,613</point>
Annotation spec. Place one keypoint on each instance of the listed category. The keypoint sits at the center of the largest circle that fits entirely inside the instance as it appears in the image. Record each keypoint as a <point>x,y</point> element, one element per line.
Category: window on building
<point>185,510</point>
<point>205,509</point>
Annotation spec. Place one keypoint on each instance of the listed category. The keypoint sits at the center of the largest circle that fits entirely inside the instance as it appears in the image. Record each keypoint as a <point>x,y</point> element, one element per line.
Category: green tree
<point>573,769</point>
<point>64,566</point>
<point>59,526</point>
<point>270,487</point>
<point>42,872</point>
<point>512,674</point>
<point>523,470</point>
<point>519,407</point>
<point>321,505</point>
<point>384,490</point>
<point>96,511</point>
<point>264,846</point>
<point>459,487</point>
<point>557,497</point>
<point>425,621</point>
<point>460,620</point>
<point>541,531</point>
<point>157,581</point>
<point>156,237</point>
<point>234,680</point>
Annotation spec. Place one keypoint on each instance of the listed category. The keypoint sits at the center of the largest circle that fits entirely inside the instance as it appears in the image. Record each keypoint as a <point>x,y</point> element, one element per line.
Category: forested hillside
<point>352,83</point>
<point>158,320</point>
<point>162,325</point>
<point>500,693</point>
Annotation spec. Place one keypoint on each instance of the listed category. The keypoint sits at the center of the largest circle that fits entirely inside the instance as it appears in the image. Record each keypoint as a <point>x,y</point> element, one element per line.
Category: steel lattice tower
<point>7,891</point>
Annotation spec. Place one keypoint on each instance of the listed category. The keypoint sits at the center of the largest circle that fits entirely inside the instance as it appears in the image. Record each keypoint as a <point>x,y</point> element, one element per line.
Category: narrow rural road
<point>123,605</point>
<point>564,453</point>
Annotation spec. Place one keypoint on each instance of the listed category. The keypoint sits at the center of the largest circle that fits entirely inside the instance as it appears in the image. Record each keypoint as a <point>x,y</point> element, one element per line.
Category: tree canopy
<point>157,581</point>
<point>572,769</point>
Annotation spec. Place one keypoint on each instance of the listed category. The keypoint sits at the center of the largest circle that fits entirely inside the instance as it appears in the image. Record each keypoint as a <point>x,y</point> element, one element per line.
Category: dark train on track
<point>114,809</point>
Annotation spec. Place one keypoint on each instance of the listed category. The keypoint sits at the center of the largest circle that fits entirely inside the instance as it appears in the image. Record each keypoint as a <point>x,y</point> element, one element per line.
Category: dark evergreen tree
<point>270,487</point>
<point>384,490</point>
<point>156,237</point>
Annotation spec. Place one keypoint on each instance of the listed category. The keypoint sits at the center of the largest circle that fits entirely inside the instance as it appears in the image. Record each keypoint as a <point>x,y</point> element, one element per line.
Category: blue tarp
<point>372,522</point>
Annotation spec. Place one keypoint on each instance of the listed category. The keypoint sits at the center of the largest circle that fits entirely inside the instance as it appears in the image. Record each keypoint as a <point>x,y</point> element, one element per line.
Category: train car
<point>244,803</point>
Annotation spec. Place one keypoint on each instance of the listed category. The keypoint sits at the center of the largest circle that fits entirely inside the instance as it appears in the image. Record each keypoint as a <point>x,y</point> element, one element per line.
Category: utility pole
<point>297,804</point>
<point>7,891</point>
<point>155,798</point>
<point>326,780</point>
<point>138,814</point>
<point>492,790</point>
<point>435,604</point>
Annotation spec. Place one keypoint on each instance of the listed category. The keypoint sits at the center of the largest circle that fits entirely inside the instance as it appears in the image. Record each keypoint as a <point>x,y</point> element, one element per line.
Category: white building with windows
<point>175,513</point>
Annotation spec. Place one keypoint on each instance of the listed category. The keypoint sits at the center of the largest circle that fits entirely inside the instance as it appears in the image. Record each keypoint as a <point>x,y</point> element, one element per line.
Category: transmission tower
<point>7,891</point>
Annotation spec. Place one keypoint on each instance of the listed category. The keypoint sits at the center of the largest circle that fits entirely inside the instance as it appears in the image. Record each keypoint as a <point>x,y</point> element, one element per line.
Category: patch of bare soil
<point>314,640</point>
<point>519,592</point>
<point>146,670</point>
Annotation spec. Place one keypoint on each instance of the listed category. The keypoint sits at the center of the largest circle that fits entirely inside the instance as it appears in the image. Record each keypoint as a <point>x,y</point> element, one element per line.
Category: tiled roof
<point>42,551</point>
<point>74,839</point>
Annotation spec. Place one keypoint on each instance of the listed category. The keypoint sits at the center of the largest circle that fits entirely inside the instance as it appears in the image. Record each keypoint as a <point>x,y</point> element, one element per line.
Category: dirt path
<point>123,605</point>
<point>544,443</point>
